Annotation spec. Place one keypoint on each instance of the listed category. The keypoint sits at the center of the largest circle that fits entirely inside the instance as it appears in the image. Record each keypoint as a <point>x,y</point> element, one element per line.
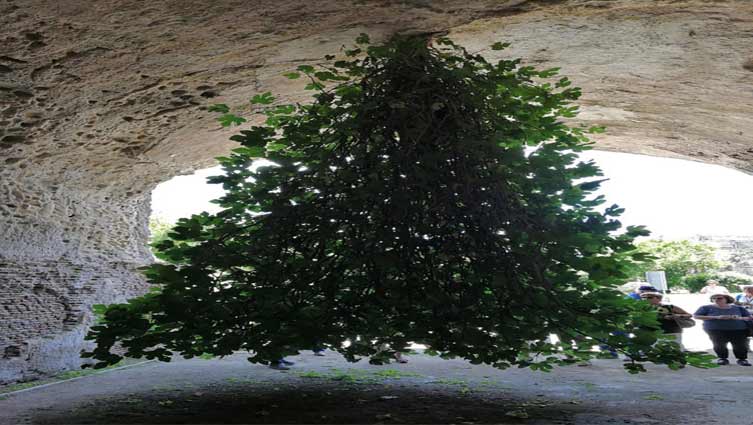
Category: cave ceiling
<point>113,94</point>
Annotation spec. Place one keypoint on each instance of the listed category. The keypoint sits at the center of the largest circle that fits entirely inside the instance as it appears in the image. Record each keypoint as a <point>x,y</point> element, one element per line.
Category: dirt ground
<point>426,390</point>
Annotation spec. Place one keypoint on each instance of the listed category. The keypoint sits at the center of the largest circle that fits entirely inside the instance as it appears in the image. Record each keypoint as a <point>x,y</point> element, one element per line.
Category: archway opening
<point>679,201</point>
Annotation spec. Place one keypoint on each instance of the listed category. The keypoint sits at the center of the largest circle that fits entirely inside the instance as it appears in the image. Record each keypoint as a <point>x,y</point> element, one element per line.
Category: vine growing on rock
<point>425,195</point>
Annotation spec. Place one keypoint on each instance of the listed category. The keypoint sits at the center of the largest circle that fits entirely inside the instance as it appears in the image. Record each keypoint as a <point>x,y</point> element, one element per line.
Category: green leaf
<point>314,86</point>
<point>282,110</point>
<point>353,52</point>
<point>252,152</point>
<point>500,46</point>
<point>563,82</point>
<point>263,99</point>
<point>273,147</point>
<point>228,120</point>
<point>292,75</point>
<point>549,72</point>
<point>219,107</point>
<point>592,185</point>
<point>362,39</point>
<point>325,75</point>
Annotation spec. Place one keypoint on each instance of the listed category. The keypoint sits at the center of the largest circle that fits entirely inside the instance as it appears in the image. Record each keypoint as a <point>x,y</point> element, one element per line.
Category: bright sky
<point>676,199</point>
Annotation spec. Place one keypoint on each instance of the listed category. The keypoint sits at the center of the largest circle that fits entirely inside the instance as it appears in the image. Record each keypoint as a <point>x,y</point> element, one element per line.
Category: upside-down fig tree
<point>425,195</point>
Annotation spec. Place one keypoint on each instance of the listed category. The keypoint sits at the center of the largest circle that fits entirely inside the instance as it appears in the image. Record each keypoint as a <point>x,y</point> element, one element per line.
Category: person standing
<point>636,295</point>
<point>713,287</point>
<point>726,323</point>
<point>667,315</point>
<point>746,298</point>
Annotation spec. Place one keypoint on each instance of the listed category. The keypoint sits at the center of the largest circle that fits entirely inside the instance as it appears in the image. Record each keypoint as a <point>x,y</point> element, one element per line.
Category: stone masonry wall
<point>45,310</point>
<point>62,251</point>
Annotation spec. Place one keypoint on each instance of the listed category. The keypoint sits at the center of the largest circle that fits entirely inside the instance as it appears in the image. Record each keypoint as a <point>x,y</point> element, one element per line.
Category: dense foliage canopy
<point>425,195</point>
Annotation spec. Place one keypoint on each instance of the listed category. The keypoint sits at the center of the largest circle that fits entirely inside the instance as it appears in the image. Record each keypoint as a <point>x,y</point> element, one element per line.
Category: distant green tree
<point>427,196</point>
<point>677,259</point>
<point>695,282</point>
<point>159,230</point>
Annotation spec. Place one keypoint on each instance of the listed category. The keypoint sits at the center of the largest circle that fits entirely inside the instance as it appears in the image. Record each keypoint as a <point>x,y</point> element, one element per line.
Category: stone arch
<point>100,103</point>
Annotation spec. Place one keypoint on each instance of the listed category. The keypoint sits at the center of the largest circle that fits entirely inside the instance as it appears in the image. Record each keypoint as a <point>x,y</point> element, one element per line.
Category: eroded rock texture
<point>102,100</point>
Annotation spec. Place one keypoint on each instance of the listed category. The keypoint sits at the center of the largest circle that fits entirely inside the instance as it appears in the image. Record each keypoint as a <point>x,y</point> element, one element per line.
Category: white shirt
<point>718,289</point>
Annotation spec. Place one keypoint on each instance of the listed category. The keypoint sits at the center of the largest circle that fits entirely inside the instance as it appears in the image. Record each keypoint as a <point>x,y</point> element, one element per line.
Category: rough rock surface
<point>100,101</point>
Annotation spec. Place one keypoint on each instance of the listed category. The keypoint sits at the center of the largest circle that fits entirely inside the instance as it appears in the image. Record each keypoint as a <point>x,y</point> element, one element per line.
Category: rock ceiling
<point>110,92</point>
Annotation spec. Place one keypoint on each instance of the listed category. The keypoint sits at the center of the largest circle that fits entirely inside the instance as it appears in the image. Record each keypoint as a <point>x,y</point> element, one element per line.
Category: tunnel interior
<point>101,103</point>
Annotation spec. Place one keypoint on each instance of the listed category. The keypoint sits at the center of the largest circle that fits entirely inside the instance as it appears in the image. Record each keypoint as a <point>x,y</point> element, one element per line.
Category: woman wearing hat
<point>725,323</point>
<point>668,315</point>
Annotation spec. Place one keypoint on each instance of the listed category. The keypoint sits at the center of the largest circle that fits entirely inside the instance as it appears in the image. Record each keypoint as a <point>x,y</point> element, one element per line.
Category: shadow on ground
<point>426,390</point>
<point>307,403</point>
